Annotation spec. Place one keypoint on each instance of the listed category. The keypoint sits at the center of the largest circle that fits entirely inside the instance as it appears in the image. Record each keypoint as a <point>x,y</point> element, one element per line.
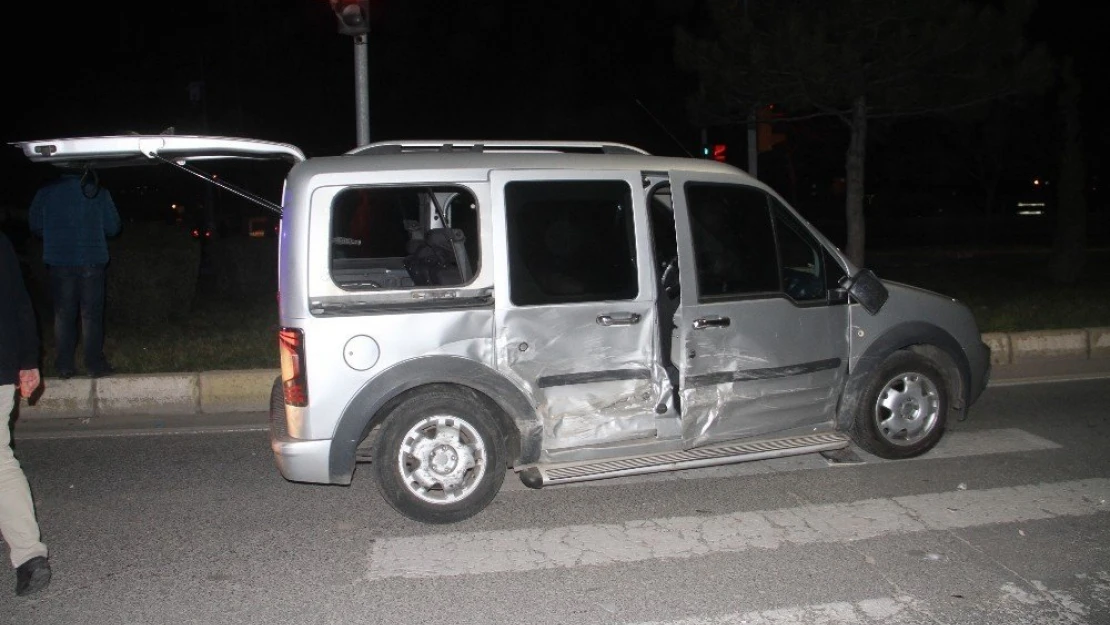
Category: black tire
<point>467,456</point>
<point>904,408</point>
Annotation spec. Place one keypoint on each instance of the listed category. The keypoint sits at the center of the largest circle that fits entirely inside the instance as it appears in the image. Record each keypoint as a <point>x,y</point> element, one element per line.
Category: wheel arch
<point>372,404</point>
<point>925,339</point>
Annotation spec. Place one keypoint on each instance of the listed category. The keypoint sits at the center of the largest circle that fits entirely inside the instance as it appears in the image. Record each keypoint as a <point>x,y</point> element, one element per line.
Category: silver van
<point>571,311</point>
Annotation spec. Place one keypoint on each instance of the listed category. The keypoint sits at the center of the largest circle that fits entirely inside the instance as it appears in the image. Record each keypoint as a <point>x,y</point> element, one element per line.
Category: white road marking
<point>1021,603</point>
<point>887,610</point>
<point>1050,379</point>
<point>1037,604</point>
<point>959,444</point>
<point>471,553</point>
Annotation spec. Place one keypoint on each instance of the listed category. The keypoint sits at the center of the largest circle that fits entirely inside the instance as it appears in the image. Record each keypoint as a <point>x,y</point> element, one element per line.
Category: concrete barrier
<point>153,393</point>
<point>1048,345</point>
<point>999,343</point>
<point>1099,339</point>
<point>245,390</point>
<point>60,398</point>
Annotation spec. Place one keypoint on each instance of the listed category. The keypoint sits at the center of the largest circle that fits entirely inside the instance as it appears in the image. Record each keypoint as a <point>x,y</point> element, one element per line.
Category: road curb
<point>151,393</point>
<point>75,397</point>
<point>155,394</point>
<point>1048,345</point>
<point>1099,341</point>
<point>244,390</point>
<point>248,390</point>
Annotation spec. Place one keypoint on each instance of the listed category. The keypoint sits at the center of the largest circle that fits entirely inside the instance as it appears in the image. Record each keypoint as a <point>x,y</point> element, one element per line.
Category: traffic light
<point>353,16</point>
<point>720,152</point>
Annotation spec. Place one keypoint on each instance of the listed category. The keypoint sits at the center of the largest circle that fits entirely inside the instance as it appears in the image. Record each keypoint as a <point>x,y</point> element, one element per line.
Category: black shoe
<point>66,374</point>
<point>32,576</point>
<point>102,372</point>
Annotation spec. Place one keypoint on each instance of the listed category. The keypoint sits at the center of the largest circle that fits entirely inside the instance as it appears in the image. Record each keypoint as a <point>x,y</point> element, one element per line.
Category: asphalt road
<point>1005,522</point>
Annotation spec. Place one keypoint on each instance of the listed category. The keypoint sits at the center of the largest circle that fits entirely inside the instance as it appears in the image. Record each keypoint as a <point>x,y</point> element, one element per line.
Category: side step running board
<point>538,476</point>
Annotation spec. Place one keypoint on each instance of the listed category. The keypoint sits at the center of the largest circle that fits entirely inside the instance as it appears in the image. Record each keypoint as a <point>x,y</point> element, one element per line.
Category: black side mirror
<point>866,288</point>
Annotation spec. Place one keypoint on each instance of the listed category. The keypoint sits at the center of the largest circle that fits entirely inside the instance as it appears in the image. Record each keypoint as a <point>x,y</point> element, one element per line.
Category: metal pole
<point>362,90</point>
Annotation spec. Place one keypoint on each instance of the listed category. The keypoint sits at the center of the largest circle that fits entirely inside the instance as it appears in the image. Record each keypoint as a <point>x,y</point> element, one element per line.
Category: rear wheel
<point>441,455</point>
<point>903,411</point>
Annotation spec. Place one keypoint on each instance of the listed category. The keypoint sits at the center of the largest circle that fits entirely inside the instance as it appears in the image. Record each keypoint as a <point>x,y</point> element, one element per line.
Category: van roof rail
<point>580,147</point>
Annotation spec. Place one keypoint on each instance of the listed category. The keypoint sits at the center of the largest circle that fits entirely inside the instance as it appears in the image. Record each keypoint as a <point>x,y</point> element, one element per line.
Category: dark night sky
<point>279,71</point>
<point>437,69</point>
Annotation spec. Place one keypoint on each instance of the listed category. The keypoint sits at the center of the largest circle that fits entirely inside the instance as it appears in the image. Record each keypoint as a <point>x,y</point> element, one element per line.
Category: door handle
<point>711,322</point>
<point>618,319</point>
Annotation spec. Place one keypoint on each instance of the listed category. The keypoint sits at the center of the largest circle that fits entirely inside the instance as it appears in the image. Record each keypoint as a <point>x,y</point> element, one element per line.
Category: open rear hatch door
<point>126,150</point>
<point>179,151</point>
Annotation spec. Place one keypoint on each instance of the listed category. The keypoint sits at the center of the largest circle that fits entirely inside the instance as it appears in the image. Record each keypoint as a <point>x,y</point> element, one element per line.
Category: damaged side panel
<point>575,313</point>
<point>592,384</point>
<point>759,354</point>
<point>750,407</point>
<point>775,367</point>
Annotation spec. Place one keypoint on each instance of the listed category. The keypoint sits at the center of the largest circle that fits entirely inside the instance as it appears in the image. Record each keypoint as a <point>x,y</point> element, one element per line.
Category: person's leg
<point>92,319</point>
<point>17,512</point>
<point>65,291</point>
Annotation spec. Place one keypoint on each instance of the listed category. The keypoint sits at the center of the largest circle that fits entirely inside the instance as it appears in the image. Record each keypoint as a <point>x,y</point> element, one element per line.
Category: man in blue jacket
<point>74,215</point>
<point>19,357</point>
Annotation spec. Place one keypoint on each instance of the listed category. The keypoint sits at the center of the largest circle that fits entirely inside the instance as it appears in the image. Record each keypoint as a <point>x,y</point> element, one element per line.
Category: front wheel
<point>441,456</point>
<point>904,408</point>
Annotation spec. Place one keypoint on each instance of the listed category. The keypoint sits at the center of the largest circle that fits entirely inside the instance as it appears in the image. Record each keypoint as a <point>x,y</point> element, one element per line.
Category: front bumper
<point>979,361</point>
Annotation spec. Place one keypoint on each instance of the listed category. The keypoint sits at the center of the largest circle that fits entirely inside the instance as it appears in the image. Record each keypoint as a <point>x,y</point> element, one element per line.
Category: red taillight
<point>293,380</point>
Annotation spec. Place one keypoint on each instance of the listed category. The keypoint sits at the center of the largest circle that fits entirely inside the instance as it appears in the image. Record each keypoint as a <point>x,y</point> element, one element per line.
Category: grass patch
<point>218,334</point>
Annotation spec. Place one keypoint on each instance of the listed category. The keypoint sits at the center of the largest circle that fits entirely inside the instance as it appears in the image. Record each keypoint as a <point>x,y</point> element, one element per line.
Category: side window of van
<point>403,237</point>
<point>746,243</point>
<point>734,240</point>
<point>803,261</point>
<point>570,241</point>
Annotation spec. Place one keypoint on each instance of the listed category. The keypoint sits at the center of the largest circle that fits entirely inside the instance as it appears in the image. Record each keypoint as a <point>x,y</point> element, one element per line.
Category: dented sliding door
<point>574,311</point>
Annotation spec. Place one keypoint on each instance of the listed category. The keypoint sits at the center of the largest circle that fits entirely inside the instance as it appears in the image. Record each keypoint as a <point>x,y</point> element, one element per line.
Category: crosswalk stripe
<point>501,551</point>
<point>886,610</point>
<point>959,443</point>
<point>1031,601</point>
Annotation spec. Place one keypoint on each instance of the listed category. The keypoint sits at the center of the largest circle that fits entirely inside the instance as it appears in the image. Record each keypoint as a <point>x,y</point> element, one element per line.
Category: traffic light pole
<point>362,90</point>
<point>354,20</point>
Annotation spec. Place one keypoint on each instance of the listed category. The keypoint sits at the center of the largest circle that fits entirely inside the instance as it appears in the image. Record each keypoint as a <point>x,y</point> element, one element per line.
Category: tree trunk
<point>1070,242</point>
<point>857,149</point>
<point>792,174</point>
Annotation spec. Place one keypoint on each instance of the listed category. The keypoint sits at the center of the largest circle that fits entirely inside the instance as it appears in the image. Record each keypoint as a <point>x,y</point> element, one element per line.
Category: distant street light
<point>354,20</point>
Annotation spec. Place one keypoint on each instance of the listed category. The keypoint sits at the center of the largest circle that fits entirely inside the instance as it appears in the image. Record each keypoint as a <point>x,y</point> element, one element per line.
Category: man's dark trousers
<point>78,289</point>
